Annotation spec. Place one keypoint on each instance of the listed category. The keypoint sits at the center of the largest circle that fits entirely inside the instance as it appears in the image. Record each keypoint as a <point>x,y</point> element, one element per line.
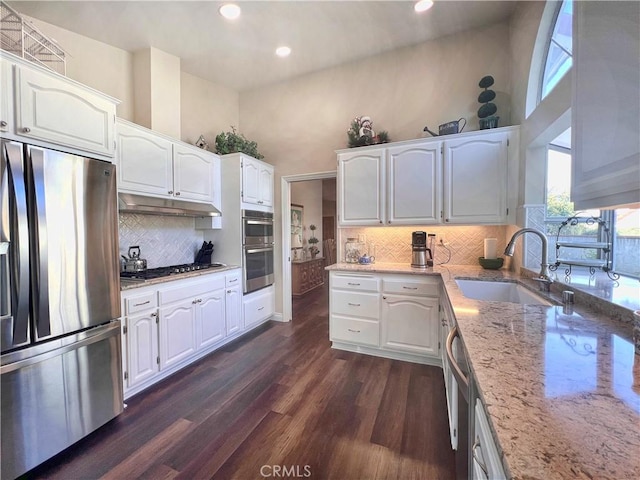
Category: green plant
<point>313,240</point>
<point>233,142</point>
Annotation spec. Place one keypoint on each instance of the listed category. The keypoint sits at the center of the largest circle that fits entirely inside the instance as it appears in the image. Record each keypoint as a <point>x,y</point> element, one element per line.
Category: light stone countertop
<point>562,389</point>
<point>128,284</point>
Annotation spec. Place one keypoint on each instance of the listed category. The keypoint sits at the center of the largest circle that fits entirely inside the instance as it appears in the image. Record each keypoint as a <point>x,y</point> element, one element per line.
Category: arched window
<point>559,49</point>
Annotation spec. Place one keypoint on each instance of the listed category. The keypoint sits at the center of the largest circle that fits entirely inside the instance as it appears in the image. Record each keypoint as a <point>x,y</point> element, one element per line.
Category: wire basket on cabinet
<point>21,38</point>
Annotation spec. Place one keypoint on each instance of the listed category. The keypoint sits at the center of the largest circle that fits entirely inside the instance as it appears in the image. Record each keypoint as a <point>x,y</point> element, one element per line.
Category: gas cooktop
<point>159,272</point>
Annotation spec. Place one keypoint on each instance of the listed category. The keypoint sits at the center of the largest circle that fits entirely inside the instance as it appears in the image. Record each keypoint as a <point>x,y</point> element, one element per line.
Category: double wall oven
<point>258,246</point>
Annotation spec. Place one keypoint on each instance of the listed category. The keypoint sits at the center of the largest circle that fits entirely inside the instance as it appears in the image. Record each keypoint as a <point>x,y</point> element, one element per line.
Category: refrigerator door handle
<point>40,286</point>
<point>13,205</point>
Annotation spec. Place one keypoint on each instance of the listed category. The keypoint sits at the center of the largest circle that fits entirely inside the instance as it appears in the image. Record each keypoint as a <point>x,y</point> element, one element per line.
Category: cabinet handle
<point>384,298</point>
<point>228,291</point>
<point>154,314</point>
<point>260,202</point>
<point>26,129</point>
<point>476,444</point>
<point>261,308</point>
<point>3,123</point>
<point>381,221</point>
<point>177,194</point>
<point>352,330</point>
<point>143,303</point>
<point>354,304</point>
<point>409,288</point>
<point>194,301</point>
<point>170,192</point>
<point>353,284</point>
<point>234,280</point>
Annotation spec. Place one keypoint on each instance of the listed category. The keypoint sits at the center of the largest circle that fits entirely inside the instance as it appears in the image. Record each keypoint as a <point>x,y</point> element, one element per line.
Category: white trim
<point>435,361</point>
<point>285,194</point>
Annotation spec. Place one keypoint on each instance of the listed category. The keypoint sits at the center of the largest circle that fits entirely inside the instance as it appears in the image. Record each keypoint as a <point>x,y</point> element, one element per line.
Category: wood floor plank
<point>278,398</point>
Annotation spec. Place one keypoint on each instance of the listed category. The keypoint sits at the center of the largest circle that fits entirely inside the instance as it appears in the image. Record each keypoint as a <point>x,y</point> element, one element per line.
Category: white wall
<point>96,64</point>
<point>207,109</point>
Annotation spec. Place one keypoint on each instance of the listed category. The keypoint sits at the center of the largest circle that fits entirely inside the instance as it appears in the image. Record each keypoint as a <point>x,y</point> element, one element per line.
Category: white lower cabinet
<point>258,307</point>
<point>487,464</point>
<point>211,318</point>
<point>141,346</point>
<point>168,326</point>
<point>233,304</point>
<point>391,315</point>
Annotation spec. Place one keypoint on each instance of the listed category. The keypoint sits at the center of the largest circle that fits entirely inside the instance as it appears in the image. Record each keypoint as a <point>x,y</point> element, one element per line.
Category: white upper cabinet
<point>475,179</point>
<point>6,97</point>
<point>414,184</point>
<point>361,187</point>
<point>257,182</point>
<point>606,96</point>
<point>193,172</point>
<point>145,161</point>
<point>152,164</point>
<point>51,108</point>
<point>469,178</point>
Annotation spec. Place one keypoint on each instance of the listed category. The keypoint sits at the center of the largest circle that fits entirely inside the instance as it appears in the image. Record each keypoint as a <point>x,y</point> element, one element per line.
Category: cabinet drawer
<point>411,287</point>
<point>355,282</point>
<point>141,302</point>
<point>355,303</point>
<point>232,279</point>
<point>366,332</point>
<point>184,291</point>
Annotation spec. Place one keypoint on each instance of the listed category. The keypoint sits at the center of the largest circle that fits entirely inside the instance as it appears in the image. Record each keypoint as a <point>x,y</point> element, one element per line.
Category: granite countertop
<point>561,387</point>
<point>128,284</point>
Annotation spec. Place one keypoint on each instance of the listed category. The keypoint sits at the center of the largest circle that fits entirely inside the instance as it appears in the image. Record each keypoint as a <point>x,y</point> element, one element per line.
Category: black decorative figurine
<point>486,113</point>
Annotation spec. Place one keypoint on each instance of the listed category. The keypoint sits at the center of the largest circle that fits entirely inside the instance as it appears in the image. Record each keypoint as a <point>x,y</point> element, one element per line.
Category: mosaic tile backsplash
<point>163,240</point>
<point>393,244</point>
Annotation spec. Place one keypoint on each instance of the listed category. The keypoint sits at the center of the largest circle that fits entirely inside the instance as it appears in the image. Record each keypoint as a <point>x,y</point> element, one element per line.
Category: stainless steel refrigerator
<point>59,302</point>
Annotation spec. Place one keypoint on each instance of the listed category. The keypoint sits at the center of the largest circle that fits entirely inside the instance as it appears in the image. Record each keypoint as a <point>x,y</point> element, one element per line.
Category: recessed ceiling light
<point>283,51</point>
<point>423,5</point>
<point>230,11</point>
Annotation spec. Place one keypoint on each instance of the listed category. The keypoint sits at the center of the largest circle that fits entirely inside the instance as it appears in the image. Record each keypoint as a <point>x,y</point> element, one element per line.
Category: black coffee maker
<point>420,255</point>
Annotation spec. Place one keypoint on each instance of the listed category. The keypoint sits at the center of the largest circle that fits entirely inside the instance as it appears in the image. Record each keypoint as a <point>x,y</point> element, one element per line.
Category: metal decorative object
<point>24,40</point>
<point>603,247</point>
<point>486,113</point>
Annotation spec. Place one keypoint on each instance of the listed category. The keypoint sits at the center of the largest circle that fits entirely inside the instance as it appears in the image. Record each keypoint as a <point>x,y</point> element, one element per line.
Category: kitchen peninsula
<point>561,388</point>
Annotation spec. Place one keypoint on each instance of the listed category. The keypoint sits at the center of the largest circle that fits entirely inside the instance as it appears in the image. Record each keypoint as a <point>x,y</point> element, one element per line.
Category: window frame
<point>545,57</point>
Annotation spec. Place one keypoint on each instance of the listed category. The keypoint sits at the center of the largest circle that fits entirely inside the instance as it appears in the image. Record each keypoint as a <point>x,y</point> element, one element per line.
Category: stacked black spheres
<point>486,113</point>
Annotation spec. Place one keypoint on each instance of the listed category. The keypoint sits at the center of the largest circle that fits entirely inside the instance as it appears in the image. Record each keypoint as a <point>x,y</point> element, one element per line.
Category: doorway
<point>286,184</point>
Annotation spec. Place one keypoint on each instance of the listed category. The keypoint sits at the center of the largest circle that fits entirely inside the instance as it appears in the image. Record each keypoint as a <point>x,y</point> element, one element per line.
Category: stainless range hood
<point>131,203</point>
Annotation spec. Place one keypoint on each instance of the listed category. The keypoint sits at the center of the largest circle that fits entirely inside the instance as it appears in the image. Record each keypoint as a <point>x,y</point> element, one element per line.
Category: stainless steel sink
<point>499,291</point>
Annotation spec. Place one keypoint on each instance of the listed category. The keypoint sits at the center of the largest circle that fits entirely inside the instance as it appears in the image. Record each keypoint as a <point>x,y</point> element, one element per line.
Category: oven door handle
<point>463,382</point>
<point>258,250</point>
<point>258,222</point>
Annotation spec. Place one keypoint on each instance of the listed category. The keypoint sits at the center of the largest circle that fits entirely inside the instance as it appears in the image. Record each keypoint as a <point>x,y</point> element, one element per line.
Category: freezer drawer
<point>52,400</point>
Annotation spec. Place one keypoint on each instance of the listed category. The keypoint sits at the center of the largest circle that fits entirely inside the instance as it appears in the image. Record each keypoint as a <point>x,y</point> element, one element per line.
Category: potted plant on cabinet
<point>313,249</point>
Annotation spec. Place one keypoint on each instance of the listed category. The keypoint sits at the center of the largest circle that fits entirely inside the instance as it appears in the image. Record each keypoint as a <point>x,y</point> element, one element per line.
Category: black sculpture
<point>486,113</point>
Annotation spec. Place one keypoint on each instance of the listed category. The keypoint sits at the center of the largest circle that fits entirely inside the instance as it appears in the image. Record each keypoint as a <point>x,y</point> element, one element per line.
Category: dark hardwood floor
<point>277,404</point>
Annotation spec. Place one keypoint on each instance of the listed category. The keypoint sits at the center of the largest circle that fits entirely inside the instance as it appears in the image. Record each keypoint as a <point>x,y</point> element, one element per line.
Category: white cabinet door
<point>475,179</point>
<point>414,179</point>
<point>210,314</point>
<point>6,96</point>
<point>606,150</point>
<point>487,463</point>
<point>193,172</point>
<point>233,310</point>
<point>265,195</point>
<point>144,161</point>
<point>50,108</point>
<point>410,324</point>
<point>361,187</point>
<point>142,347</point>
<point>177,333</point>
<point>250,180</point>
<point>258,306</point>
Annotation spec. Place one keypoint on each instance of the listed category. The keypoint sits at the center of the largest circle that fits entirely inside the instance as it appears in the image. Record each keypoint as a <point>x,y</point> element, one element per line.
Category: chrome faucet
<point>543,276</point>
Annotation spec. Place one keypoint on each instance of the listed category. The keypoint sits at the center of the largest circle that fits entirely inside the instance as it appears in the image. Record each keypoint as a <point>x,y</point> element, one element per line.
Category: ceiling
<point>240,54</point>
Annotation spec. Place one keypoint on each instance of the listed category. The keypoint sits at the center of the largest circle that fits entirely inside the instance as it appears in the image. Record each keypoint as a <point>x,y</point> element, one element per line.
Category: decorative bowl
<point>491,263</point>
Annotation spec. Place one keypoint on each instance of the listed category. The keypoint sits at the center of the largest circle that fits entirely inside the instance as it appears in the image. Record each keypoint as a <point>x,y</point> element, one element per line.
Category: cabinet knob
<point>170,192</point>
<point>154,314</point>
<point>446,219</point>
<point>228,291</point>
<point>3,123</point>
<point>194,301</point>
<point>26,129</point>
<point>177,194</point>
